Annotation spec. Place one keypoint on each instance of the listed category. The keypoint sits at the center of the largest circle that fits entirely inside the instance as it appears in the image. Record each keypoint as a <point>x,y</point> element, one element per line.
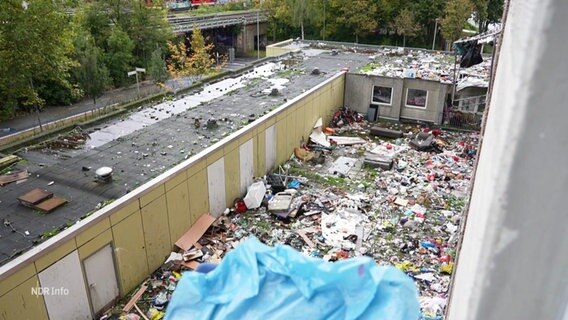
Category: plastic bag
<point>256,281</point>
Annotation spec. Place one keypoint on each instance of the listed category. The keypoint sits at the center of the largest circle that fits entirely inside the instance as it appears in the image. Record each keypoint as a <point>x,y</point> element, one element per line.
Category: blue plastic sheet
<point>256,281</point>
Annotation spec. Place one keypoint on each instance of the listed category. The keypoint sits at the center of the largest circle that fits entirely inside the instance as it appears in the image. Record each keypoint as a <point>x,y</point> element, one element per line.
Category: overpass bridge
<point>181,24</point>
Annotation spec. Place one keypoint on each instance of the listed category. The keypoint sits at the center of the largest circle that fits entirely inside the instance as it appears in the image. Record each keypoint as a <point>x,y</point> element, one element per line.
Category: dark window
<point>416,98</point>
<point>382,95</point>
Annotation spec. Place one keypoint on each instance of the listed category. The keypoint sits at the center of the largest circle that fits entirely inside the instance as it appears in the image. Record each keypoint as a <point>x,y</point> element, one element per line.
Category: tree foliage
<point>455,16</point>
<point>91,74</point>
<point>119,56</point>
<point>359,17</point>
<point>194,65</point>
<point>43,46</point>
<point>34,44</point>
<point>405,24</point>
<point>157,68</point>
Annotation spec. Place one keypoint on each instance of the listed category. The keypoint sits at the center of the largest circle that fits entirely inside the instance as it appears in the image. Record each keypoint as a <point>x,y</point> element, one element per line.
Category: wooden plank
<point>134,298</point>
<point>50,204</point>
<point>196,231</point>
<point>302,234</point>
<point>35,196</point>
<point>8,160</point>
<point>12,177</point>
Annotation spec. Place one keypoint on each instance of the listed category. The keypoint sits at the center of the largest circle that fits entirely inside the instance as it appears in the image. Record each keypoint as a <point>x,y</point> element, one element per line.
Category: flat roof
<point>146,142</point>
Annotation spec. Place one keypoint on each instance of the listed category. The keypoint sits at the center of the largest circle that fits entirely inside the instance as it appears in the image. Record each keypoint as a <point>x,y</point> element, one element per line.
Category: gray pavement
<point>138,156</point>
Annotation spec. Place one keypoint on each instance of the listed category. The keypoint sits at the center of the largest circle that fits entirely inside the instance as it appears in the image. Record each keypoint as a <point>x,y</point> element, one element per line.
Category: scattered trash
<point>255,195</point>
<point>380,198</point>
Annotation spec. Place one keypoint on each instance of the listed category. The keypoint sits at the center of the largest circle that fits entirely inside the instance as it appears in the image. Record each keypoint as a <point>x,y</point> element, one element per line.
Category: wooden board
<point>12,177</point>
<point>50,204</point>
<point>196,231</point>
<point>34,197</point>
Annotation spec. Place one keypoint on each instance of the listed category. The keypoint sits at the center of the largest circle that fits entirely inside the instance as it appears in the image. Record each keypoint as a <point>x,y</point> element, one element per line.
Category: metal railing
<point>466,113</point>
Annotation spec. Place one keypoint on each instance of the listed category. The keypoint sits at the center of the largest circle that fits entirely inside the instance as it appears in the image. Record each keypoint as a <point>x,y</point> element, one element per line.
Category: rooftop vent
<point>104,174</point>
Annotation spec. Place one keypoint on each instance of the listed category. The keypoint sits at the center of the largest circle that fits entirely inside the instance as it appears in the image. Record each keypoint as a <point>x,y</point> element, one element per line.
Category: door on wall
<point>101,278</point>
<point>64,289</point>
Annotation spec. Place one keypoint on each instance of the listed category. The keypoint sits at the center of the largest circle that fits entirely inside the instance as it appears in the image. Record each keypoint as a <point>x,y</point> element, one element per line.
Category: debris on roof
<point>16,176</point>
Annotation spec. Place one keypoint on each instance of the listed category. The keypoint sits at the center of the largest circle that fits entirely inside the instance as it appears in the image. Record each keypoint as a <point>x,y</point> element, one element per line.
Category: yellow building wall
<point>143,230</point>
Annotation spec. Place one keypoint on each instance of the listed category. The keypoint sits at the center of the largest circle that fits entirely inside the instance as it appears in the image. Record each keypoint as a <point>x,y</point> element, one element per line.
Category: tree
<point>195,65</point>
<point>157,67</point>
<point>480,11</point>
<point>119,56</point>
<point>148,28</point>
<point>455,16</point>
<point>92,75</point>
<point>201,60</point>
<point>35,43</point>
<point>405,25</point>
<point>301,11</point>
<point>359,16</point>
<point>494,11</point>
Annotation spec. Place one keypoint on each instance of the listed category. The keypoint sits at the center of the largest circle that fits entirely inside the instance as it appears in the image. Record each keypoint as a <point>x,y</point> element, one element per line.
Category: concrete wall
<point>246,37</point>
<point>359,91</point>
<point>434,110</point>
<point>143,225</point>
<point>513,263</point>
<point>279,48</point>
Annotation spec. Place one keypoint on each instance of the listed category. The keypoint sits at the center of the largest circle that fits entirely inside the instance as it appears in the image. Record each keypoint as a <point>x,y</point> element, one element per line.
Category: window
<point>381,95</point>
<point>416,98</point>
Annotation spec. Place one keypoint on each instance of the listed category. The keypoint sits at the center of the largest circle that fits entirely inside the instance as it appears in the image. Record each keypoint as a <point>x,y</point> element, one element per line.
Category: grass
<point>328,181</point>
<point>369,67</point>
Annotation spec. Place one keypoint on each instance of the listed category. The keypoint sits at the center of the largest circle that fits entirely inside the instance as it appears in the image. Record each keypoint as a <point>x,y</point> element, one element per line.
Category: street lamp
<point>435,32</point>
<point>135,73</point>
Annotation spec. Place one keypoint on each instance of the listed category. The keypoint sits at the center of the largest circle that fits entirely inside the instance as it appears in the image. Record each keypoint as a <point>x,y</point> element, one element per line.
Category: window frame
<point>412,106</point>
<point>381,103</point>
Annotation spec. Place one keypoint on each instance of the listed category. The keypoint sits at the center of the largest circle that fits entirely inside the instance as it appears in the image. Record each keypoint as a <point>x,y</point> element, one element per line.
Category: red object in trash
<point>389,146</point>
<point>456,158</point>
<point>436,132</point>
<point>446,258</point>
<point>426,130</point>
<point>240,206</point>
<point>329,130</point>
<point>430,177</point>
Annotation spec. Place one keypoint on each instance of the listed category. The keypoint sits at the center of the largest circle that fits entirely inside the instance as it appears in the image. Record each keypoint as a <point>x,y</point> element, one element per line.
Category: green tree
<point>455,16</point>
<point>91,74</point>
<point>358,16</point>
<point>148,28</point>
<point>494,11</point>
<point>480,13</point>
<point>35,43</point>
<point>301,12</point>
<point>157,68</point>
<point>119,56</point>
<point>405,24</point>
<point>94,18</point>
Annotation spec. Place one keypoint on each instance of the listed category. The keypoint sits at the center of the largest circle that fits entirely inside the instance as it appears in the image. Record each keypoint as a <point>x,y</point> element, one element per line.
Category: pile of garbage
<point>393,192</point>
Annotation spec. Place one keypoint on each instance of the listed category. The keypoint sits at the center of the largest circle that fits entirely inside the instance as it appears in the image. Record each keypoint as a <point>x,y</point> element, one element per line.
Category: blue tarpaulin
<point>256,281</point>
